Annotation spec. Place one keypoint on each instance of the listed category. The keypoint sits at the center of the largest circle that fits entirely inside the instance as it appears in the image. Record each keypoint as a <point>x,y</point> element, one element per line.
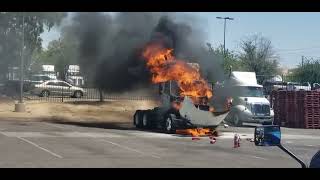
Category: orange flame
<point>165,67</point>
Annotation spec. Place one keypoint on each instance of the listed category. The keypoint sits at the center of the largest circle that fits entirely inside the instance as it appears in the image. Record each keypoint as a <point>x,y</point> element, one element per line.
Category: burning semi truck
<point>185,97</point>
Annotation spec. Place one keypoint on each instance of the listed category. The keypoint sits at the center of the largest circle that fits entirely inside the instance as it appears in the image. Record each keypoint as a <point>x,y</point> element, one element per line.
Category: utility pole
<point>20,106</point>
<point>224,32</point>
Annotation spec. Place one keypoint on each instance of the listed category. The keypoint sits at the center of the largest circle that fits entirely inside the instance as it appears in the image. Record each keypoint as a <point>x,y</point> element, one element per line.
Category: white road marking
<point>59,134</point>
<point>128,148</point>
<point>257,157</point>
<point>26,134</point>
<point>97,136</point>
<point>44,149</point>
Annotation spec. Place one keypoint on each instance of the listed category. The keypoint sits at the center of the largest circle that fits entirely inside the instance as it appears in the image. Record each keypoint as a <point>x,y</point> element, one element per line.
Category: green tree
<point>258,56</point>
<point>229,59</point>
<point>307,72</point>
<point>11,31</point>
<point>59,53</point>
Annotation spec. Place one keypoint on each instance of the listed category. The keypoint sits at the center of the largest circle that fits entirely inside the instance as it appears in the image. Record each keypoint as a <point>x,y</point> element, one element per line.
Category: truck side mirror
<point>269,135</point>
<point>315,161</point>
<point>246,99</point>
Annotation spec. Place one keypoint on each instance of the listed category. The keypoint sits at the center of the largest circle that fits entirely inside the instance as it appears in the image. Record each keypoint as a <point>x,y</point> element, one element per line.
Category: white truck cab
<point>248,102</point>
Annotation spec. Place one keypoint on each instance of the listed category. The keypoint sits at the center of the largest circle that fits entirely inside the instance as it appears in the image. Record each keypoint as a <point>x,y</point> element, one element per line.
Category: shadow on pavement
<point>95,124</point>
<point>93,103</point>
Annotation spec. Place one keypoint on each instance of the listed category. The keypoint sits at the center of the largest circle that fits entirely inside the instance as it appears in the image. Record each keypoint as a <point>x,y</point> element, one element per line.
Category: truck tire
<point>45,93</point>
<point>168,126</point>
<point>77,94</point>
<point>137,119</point>
<point>146,120</point>
<point>236,120</point>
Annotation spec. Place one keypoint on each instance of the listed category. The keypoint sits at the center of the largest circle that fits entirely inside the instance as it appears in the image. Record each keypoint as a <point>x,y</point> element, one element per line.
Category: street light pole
<point>224,32</point>
<point>21,63</point>
<point>20,106</point>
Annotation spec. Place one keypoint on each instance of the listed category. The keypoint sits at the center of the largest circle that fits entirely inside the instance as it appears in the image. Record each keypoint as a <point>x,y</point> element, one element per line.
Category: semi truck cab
<point>248,102</point>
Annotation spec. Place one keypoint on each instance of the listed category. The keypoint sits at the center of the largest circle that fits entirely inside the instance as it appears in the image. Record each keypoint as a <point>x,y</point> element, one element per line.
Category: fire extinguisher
<point>236,141</point>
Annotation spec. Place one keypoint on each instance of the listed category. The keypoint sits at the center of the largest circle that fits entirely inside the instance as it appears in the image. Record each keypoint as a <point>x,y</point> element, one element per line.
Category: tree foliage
<point>258,56</point>
<point>307,72</point>
<point>229,60</point>
<point>59,53</point>
<point>11,31</point>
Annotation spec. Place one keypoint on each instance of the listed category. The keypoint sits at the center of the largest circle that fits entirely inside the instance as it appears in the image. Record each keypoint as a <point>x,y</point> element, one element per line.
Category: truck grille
<point>261,109</point>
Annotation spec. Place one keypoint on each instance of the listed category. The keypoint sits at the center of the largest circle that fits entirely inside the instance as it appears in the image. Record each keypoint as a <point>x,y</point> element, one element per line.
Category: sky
<point>293,35</point>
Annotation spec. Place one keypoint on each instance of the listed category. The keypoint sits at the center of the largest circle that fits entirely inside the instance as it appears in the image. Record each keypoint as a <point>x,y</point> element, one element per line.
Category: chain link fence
<point>68,85</point>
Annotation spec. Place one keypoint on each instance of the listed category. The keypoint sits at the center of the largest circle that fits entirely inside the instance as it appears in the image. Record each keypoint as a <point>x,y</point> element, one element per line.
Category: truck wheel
<point>77,94</point>
<point>137,119</point>
<point>169,125</point>
<point>236,120</point>
<point>45,93</point>
<point>145,120</point>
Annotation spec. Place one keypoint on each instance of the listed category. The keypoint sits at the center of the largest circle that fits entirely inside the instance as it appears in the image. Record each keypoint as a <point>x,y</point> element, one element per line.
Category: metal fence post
<point>62,94</point>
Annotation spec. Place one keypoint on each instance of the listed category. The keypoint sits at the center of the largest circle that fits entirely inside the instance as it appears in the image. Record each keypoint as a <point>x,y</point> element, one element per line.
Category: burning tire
<point>146,119</point>
<point>169,124</point>
<point>137,119</point>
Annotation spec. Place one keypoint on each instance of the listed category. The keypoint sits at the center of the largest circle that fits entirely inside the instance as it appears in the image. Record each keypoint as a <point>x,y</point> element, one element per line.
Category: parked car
<point>303,86</point>
<point>316,86</point>
<point>57,88</point>
<point>40,78</point>
<point>269,86</point>
<point>293,86</point>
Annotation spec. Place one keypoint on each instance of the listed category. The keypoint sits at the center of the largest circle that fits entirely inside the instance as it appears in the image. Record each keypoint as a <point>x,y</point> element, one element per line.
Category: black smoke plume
<point>110,46</point>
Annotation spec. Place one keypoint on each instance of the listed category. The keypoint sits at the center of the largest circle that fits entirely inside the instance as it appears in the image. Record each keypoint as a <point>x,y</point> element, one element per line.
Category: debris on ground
<point>250,139</point>
<point>212,139</point>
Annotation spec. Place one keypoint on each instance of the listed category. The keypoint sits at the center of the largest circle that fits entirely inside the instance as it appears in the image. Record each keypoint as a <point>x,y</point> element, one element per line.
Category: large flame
<point>165,67</point>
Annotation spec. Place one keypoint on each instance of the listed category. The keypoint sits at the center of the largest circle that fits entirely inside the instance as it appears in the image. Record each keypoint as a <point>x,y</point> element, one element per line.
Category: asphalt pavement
<point>27,143</point>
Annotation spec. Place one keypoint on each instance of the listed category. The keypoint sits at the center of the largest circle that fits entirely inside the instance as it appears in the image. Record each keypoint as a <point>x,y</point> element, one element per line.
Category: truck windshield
<point>249,91</point>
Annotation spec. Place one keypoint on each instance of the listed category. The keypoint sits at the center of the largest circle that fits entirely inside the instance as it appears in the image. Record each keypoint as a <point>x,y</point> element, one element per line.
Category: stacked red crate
<point>275,105</point>
<point>312,110</point>
<point>300,108</point>
<point>282,108</point>
<point>297,109</point>
<point>291,109</point>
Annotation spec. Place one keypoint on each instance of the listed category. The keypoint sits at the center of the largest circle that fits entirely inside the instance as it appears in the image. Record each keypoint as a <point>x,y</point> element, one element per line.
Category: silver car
<point>57,88</point>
